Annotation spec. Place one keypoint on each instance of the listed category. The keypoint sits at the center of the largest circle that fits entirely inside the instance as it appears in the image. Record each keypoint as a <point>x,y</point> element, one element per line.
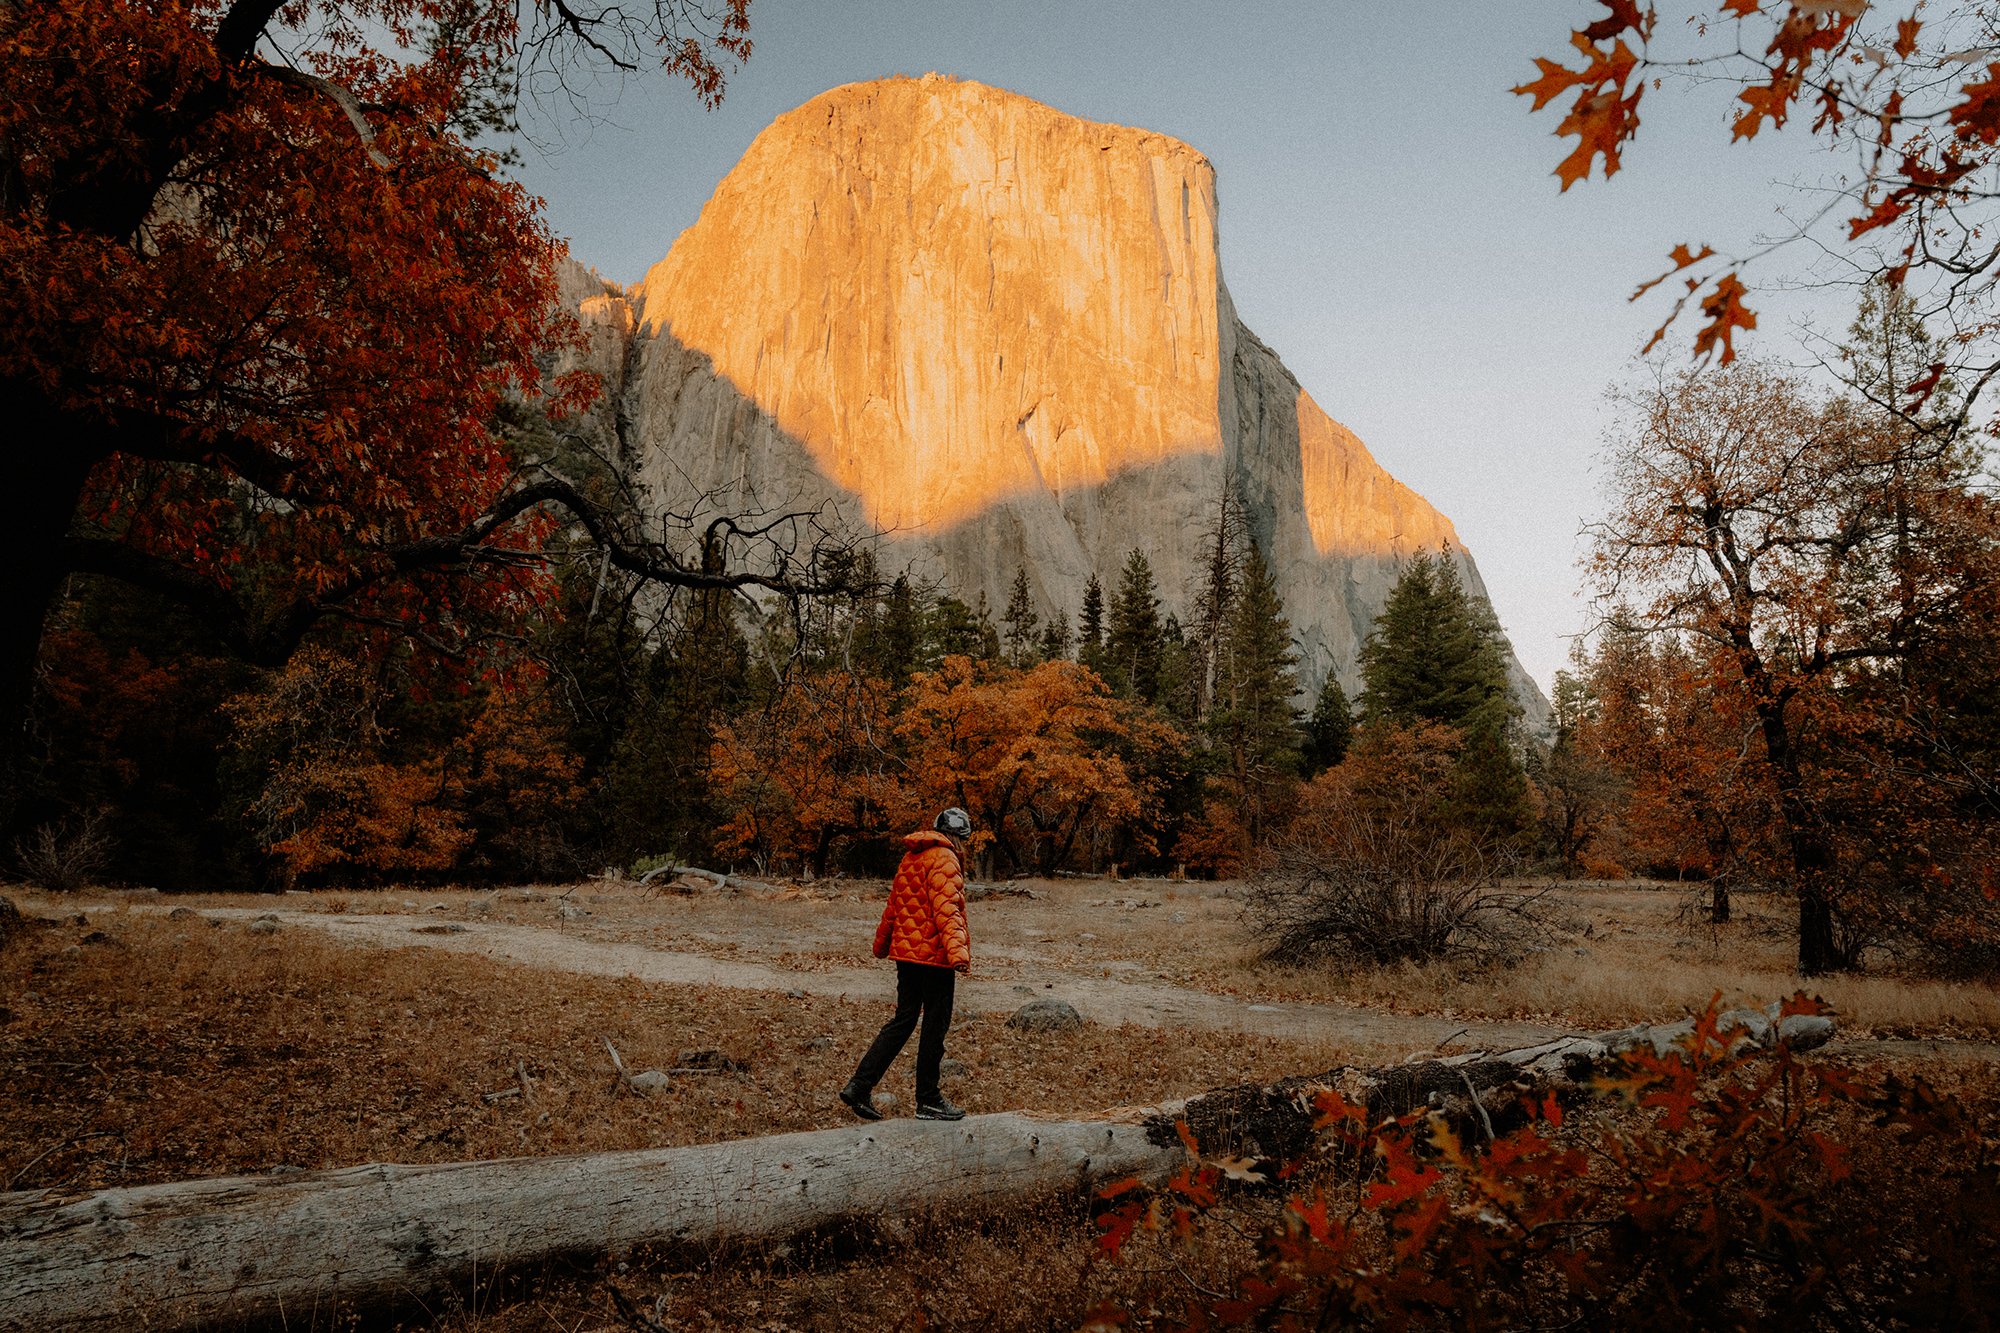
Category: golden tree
<point>1035,756</point>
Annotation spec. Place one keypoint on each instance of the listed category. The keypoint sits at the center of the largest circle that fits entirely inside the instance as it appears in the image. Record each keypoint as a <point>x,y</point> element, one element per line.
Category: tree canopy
<point>1820,562</point>
<point>268,296</point>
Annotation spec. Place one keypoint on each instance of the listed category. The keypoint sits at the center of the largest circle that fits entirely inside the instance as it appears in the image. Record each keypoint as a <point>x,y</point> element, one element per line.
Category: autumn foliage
<point>1805,568</point>
<point>817,766</point>
<point>1910,99</point>
<point>1706,1187</point>
<point>333,798</point>
<point>1039,757</point>
<point>268,291</point>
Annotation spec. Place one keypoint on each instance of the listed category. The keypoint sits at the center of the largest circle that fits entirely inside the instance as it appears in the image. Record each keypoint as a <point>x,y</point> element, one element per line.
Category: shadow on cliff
<point>703,447</point>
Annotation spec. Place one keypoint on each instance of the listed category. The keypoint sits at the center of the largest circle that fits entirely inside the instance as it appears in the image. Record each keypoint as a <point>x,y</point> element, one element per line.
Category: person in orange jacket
<point>923,929</point>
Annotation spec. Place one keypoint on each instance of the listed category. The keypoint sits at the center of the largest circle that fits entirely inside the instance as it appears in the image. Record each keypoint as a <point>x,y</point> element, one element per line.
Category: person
<point>923,928</point>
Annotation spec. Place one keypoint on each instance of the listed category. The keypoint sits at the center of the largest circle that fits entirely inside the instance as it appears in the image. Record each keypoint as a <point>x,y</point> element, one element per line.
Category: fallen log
<point>716,878</point>
<point>199,1253</point>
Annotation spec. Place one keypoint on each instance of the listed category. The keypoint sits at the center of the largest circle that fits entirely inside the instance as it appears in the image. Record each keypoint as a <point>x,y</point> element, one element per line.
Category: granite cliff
<point>1000,336</point>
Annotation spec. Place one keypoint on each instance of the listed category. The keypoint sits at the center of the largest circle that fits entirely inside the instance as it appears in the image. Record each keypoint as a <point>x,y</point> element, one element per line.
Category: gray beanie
<point>954,823</point>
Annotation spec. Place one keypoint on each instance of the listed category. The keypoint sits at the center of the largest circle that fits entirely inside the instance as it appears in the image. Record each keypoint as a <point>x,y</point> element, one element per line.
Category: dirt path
<point>1109,1001</point>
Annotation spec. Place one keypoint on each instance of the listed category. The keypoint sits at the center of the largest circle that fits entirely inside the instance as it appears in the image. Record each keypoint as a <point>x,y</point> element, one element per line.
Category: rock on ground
<point>1047,1014</point>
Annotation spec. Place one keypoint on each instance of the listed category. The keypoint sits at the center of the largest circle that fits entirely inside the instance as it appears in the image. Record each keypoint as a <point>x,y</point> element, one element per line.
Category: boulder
<point>1047,1014</point>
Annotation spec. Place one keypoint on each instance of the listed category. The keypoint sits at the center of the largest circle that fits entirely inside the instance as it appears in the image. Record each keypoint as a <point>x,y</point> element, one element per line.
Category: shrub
<point>1734,1190</point>
<point>65,856</point>
<point>1375,869</point>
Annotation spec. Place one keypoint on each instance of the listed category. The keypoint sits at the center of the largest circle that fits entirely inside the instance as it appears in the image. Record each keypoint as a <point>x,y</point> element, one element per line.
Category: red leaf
<point>1978,116</point>
<point>1117,1226</point>
<point>1624,14</point>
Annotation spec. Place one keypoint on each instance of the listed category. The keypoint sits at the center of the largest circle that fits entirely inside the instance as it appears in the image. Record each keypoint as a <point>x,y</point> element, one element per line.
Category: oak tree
<point>1808,555</point>
<point>1036,756</point>
<point>267,295</point>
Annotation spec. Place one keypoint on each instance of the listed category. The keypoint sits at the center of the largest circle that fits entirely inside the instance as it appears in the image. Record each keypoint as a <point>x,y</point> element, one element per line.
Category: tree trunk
<point>1819,952</point>
<point>1811,854</point>
<point>47,477</point>
<point>204,1252</point>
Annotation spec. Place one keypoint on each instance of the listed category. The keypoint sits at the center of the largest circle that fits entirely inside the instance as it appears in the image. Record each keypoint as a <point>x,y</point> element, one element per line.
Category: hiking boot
<point>939,1108</point>
<point>857,1101</point>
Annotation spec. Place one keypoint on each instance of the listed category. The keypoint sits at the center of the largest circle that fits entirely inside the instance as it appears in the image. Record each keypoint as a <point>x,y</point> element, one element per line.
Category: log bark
<point>251,1248</point>
<point>716,878</point>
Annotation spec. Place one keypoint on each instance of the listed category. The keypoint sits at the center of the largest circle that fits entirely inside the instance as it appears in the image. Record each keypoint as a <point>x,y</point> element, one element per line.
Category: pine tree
<point>1330,730</point>
<point>890,644</point>
<point>1133,645</point>
<point>1055,643</point>
<point>1253,714</point>
<point>989,635</point>
<point>1490,788</point>
<point>1178,688</point>
<point>1435,654</point>
<point>656,791</point>
<point>951,629</point>
<point>1021,620</point>
<point>1222,546</point>
<point>1090,627</point>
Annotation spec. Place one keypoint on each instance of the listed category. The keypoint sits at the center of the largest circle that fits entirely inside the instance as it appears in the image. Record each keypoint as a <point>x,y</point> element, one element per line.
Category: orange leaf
<point>1726,314</point>
<point>1886,210</point>
<point>1772,101</point>
<point>1906,36</point>
<point>1601,122</point>
<point>1742,9</point>
<point>1556,80</point>
<point>1682,257</point>
<point>1978,116</point>
<point>1118,1187</point>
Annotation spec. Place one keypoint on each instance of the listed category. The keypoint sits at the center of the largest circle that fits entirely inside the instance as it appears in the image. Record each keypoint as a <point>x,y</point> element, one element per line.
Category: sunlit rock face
<point>998,335</point>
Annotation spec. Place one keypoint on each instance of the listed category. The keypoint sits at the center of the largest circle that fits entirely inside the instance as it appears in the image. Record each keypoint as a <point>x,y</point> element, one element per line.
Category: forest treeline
<point>592,721</point>
<point>1793,688</point>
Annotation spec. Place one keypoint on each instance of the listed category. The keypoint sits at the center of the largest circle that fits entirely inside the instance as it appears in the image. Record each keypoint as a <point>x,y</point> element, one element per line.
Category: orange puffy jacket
<point>925,919</point>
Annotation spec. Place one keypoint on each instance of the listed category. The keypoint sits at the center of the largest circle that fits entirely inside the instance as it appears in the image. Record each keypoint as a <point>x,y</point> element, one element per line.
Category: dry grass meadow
<point>138,1046</point>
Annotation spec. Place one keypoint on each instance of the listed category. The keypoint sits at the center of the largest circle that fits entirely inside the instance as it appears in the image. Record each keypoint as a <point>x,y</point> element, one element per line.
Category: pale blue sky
<point>1389,221</point>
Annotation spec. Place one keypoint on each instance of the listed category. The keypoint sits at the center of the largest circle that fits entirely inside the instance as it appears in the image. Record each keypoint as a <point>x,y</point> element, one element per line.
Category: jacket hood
<point>916,842</point>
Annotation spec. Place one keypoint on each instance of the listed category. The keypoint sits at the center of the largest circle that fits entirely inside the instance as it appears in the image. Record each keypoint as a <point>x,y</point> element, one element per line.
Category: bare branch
<point>349,104</point>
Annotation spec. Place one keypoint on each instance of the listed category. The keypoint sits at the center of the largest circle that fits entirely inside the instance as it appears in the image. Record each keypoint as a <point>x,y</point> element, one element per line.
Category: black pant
<point>919,989</point>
